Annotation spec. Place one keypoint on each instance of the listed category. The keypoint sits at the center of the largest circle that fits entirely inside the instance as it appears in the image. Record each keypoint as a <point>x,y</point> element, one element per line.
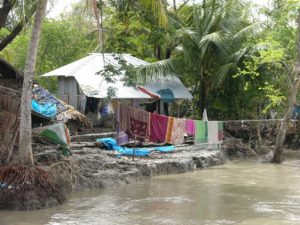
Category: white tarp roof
<point>93,85</point>
<point>171,82</point>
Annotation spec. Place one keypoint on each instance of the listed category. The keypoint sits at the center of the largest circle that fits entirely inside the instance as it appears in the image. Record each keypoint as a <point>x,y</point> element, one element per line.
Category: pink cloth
<point>158,127</point>
<point>190,127</point>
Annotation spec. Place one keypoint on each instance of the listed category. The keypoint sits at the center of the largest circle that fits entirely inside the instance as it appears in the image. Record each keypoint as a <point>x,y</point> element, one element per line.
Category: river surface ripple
<point>241,192</point>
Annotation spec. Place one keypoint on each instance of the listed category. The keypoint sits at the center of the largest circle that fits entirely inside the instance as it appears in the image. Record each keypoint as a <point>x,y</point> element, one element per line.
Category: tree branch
<point>8,39</point>
<point>4,11</point>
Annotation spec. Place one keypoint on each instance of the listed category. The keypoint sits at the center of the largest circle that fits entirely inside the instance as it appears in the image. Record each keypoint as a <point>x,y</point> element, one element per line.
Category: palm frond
<point>221,73</point>
<point>237,56</point>
<point>157,8</point>
<point>186,35</point>
<point>217,38</point>
<point>156,70</point>
<point>248,30</point>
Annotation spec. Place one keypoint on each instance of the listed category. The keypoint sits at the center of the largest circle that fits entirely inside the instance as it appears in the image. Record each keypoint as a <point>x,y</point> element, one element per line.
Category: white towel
<point>213,132</point>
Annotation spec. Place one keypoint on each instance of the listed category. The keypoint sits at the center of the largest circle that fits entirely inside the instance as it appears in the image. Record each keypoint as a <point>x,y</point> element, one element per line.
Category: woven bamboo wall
<point>9,122</point>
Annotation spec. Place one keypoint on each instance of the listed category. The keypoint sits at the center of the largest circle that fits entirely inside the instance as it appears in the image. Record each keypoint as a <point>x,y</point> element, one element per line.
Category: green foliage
<point>231,64</point>
<point>62,42</point>
<point>267,70</point>
<point>132,35</point>
<point>209,42</point>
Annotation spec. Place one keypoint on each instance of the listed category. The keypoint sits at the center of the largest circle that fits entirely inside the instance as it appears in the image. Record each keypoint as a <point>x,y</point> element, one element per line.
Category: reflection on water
<point>235,193</point>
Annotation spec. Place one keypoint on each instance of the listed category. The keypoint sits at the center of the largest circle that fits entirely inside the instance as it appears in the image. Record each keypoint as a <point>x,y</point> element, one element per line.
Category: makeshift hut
<point>84,84</point>
<point>10,98</point>
<point>45,103</point>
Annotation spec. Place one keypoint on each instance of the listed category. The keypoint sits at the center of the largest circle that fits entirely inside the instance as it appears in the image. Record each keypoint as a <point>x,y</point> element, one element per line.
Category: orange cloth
<point>169,129</point>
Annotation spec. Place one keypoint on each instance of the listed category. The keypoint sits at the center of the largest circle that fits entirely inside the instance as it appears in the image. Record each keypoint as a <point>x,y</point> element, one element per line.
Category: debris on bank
<point>26,188</point>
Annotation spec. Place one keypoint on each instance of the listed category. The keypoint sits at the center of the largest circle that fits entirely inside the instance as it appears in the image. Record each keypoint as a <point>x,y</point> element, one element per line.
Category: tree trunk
<point>158,52</point>
<point>258,129</point>
<point>25,143</point>
<point>203,96</point>
<point>99,24</point>
<point>277,158</point>
<point>259,138</point>
<point>174,6</point>
<point>168,53</point>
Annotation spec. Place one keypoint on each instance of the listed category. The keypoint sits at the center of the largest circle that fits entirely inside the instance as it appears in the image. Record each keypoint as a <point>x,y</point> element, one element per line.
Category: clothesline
<point>264,120</point>
<point>138,124</point>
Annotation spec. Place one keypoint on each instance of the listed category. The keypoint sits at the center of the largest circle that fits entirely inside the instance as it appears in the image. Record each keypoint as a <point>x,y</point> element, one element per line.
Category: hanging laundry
<point>126,112</point>
<point>142,116</point>
<point>123,122</point>
<point>178,131</point>
<point>139,129</point>
<point>221,131</point>
<point>213,135</point>
<point>201,132</point>
<point>158,127</point>
<point>169,129</point>
<point>124,118</point>
<point>190,127</point>
<point>121,136</point>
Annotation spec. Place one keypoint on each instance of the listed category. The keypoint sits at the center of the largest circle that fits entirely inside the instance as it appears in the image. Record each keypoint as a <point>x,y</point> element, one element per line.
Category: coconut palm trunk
<point>25,155</point>
<point>277,158</point>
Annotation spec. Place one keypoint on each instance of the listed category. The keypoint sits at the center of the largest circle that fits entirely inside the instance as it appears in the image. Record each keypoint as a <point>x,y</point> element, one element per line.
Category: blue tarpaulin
<point>111,144</point>
<point>48,109</point>
<point>42,96</point>
<point>165,148</point>
<point>166,95</point>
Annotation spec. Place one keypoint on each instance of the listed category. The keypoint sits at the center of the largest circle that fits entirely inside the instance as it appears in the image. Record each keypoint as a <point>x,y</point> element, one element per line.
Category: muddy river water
<point>241,192</point>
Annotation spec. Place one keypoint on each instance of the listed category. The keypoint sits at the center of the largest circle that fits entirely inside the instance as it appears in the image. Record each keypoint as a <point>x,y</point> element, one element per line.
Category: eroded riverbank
<point>90,168</point>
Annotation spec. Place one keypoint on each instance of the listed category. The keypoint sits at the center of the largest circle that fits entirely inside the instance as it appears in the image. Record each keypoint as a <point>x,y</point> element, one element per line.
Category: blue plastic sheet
<point>41,95</point>
<point>296,112</point>
<point>111,144</point>
<point>138,152</point>
<point>46,109</point>
<point>165,148</point>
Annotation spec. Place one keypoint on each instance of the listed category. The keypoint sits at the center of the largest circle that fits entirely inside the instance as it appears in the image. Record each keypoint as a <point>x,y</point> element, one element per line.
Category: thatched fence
<point>9,123</point>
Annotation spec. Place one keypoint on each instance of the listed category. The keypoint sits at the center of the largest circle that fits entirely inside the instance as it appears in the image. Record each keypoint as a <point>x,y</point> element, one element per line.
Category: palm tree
<point>158,8</point>
<point>209,46</point>
<point>25,143</point>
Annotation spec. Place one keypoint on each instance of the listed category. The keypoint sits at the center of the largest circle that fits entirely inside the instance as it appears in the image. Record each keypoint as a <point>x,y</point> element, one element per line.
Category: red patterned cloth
<point>126,113</point>
<point>138,129</point>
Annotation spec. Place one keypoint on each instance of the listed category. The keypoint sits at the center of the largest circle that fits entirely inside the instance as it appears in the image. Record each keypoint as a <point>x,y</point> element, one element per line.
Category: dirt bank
<point>90,168</point>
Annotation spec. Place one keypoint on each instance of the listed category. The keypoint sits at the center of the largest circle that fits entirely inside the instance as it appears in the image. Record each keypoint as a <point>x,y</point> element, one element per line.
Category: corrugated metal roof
<point>93,85</point>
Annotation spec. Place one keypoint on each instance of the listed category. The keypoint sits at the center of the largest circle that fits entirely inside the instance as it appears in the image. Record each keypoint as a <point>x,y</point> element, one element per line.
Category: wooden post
<point>134,145</point>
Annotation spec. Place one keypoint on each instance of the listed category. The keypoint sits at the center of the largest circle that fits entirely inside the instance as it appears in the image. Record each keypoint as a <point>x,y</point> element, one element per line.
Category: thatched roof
<point>8,71</point>
<point>72,114</point>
